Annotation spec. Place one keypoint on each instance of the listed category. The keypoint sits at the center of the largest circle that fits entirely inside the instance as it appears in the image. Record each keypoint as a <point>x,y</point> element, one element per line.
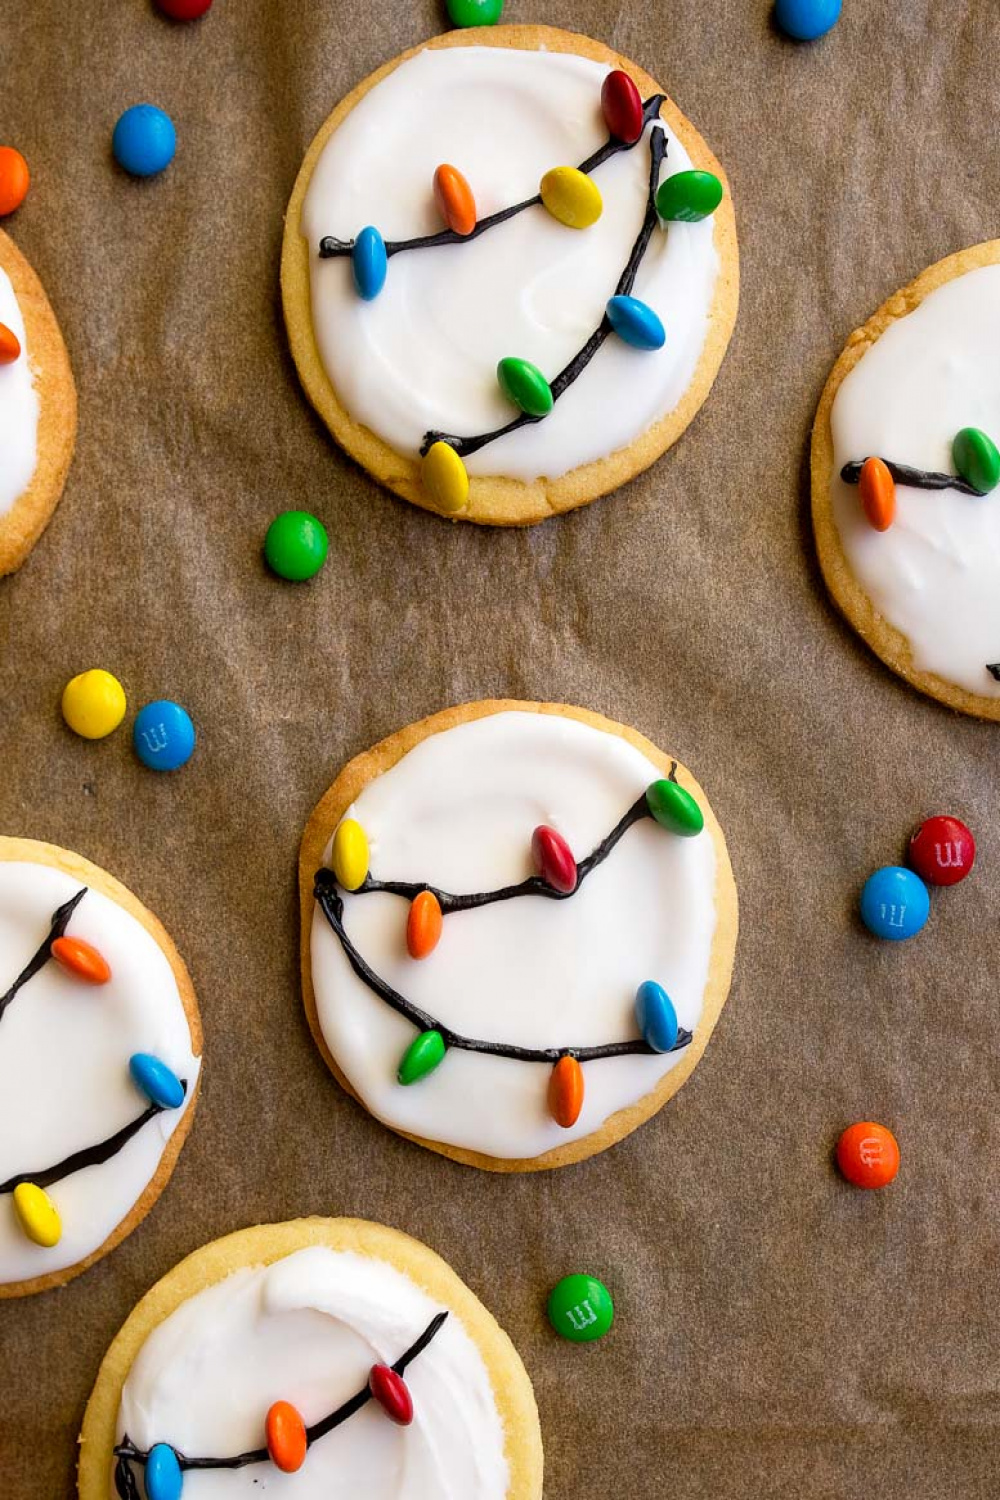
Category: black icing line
<point>571,372</point>
<point>90,1156</point>
<point>331,248</point>
<point>60,922</point>
<point>993,667</point>
<point>127,1453</point>
<point>917,479</point>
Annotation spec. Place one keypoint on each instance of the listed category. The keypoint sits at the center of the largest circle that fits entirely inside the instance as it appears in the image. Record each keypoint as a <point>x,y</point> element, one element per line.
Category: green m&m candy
<point>976,459</point>
<point>296,545</point>
<point>474,12</point>
<point>424,1054</point>
<point>525,385</point>
<point>674,808</point>
<point>688,196</point>
<point>580,1308</point>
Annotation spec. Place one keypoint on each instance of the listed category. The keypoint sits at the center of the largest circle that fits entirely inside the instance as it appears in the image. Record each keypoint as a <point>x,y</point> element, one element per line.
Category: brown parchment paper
<point>778,1335</point>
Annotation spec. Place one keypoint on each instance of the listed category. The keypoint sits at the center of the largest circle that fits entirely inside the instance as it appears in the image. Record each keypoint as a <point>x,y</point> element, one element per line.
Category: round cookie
<point>517,1041</point>
<point>300,1313</point>
<point>37,410</point>
<point>418,361</point>
<point>100,1043</point>
<point>922,591</point>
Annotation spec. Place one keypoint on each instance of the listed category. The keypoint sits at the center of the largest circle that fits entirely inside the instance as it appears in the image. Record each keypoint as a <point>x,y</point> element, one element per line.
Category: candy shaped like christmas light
<point>974,454</point>
<point>454,200</point>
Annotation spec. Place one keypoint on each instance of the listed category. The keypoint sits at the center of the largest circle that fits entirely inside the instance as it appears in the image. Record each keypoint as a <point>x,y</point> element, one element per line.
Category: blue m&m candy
<point>369,263</point>
<point>164,1480</point>
<point>163,735</point>
<point>894,903</point>
<point>144,141</point>
<point>636,323</point>
<point>153,1078</point>
<point>806,20</point>
<point>655,1016</point>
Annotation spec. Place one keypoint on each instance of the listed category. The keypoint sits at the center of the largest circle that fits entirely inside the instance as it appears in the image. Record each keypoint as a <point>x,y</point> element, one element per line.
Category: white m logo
<point>156,738</point>
<point>582,1315</point>
<point>948,856</point>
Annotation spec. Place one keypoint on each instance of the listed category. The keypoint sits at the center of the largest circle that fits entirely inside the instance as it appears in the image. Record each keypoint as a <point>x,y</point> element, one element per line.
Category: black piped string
<point>60,922</point>
<point>917,479</point>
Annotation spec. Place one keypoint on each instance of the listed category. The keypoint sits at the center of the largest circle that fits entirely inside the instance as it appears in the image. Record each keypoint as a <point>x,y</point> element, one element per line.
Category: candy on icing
<point>18,407</point>
<point>307,1329</point>
<point>935,574</point>
<point>458,812</point>
<point>64,1054</point>
<point>422,357</point>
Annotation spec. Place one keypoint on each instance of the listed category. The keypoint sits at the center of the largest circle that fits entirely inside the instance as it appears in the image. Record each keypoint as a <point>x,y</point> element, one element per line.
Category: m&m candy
<point>894,903</point>
<point>144,140</point>
<point>877,492</point>
<point>37,1215</point>
<point>15,179</point>
<point>621,106</point>
<point>868,1155</point>
<point>806,20</point>
<point>977,459</point>
<point>296,545</point>
<point>580,1308</point>
<point>184,10</point>
<point>163,735</point>
<point>474,12</point>
<point>10,345</point>
<point>164,1477</point>
<point>942,851</point>
<point>93,703</point>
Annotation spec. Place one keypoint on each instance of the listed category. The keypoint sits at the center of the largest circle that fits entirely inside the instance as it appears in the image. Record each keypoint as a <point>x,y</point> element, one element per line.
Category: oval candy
<point>580,1308</point>
<point>525,385</point>
<point>655,1016</point>
<point>15,179</point>
<point>554,859</point>
<point>877,490</point>
<point>392,1394</point>
<point>422,1056</point>
<point>688,197</point>
<point>976,458</point>
<point>81,959</point>
<point>163,735</point>
<point>423,925</point>
<point>943,851</point>
<point>296,545</point>
<point>621,106</point>
<point>454,199</point>
<point>349,856</point>
<point>636,323</point>
<point>37,1215</point>
<point>369,263</point>
<point>144,140</point>
<point>868,1154</point>
<point>10,345</point>
<point>566,1092</point>
<point>474,12</point>
<point>674,808</point>
<point>285,1434</point>
<point>93,703</point>
<point>571,197</point>
<point>895,903</point>
<point>806,20</point>
<point>153,1078</point>
<point>445,478</point>
<point>164,1480</point>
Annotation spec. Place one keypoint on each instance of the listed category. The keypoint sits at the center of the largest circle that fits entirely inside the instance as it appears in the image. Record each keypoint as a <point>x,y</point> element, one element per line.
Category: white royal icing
<point>935,574</point>
<point>18,408</point>
<point>64,1052</point>
<point>458,812</point>
<point>423,354</point>
<point>308,1329</point>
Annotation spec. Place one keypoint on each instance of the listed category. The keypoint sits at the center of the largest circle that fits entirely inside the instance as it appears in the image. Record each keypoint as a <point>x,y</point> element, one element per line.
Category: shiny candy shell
<point>424,1054</point>
<point>285,1433</point>
<point>580,1308</point>
<point>144,140</point>
<point>688,196</point>
<point>392,1394</point>
<point>877,492</point>
<point>37,1215</point>
<point>674,808</point>
<point>621,105</point>
<point>369,263</point>
<point>976,458</point>
<point>184,10</point>
<point>806,20</point>
<point>525,385</point>
<point>10,345</point>
<point>93,703</point>
<point>153,1078</point>
<point>445,478</point>
<point>894,903</point>
<point>636,323</point>
<point>164,1479</point>
<point>571,197</point>
<point>349,856</point>
<point>454,199</point>
<point>475,12</point>
<point>296,545</point>
<point>868,1154</point>
<point>655,1016</point>
<point>423,925</point>
<point>566,1090</point>
<point>15,179</point>
<point>163,735</point>
<point>553,859</point>
<point>81,959</point>
<point>942,851</point>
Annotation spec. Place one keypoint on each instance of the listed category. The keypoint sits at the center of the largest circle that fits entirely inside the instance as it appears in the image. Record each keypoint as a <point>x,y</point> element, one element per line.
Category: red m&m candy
<point>554,859</point>
<point>868,1154</point>
<point>621,105</point>
<point>184,10</point>
<point>942,851</point>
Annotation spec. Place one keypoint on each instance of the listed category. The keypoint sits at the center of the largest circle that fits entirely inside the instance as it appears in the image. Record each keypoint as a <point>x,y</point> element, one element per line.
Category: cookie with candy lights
<point>518,926</point>
<point>37,408</point>
<point>100,1058</point>
<point>905,475</point>
<point>509,273</point>
<point>321,1357</point>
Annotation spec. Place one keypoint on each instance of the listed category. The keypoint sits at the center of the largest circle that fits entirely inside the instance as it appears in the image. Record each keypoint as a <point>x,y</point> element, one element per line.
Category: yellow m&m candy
<point>445,478</point>
<point>38,1215</point>
<point>93,704</point>
<point>350,854</point>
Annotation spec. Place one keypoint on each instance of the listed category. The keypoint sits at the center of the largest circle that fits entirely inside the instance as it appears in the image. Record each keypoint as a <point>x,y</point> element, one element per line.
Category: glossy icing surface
<point>18,407</point>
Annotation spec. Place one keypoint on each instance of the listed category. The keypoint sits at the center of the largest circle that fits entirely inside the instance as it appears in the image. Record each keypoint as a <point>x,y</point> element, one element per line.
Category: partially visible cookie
<point>37,408</point>
<point>344,1353</point>
<point>908,545</point>
<point>100,1060</point>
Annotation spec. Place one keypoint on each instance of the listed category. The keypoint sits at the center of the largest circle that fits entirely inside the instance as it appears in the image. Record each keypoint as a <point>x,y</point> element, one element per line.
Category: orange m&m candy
<point>868,1154</point>
<point>566,1092</point>
<point>878,493</point>
<point>454,199</point>
<point>286,1436</point>
<point>10,345</point>
<point>81,959</point>
<point>423,925</point>
<point>14,179</point>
